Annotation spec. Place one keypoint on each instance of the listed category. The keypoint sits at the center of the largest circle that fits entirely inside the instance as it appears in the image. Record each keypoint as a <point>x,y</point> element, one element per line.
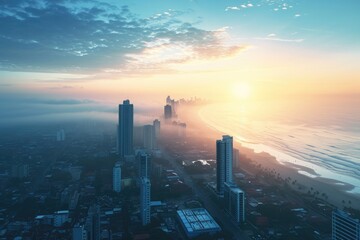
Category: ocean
<point>323,136</point>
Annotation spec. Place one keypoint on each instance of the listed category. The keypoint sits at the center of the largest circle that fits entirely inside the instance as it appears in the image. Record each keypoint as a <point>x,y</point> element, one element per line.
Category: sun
<point>241,90</point>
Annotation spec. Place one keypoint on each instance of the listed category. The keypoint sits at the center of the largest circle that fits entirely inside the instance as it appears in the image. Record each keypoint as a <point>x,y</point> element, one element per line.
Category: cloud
<point>60,101</point>
<point>300,40</point>
<point>92,36</point>
<point>273,37</point>
<point>232,8</point>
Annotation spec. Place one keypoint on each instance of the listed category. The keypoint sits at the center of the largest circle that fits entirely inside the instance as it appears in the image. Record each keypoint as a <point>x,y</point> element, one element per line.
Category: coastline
<point>332,191</point>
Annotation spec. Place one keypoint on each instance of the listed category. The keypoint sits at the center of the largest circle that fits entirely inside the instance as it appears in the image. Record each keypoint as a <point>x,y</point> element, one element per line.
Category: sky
<point>82,55</point>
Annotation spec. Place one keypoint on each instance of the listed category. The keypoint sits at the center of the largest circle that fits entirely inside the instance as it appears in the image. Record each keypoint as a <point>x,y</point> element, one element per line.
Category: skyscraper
<point>234,199</point>
<point>156,125</point>
<point>224,157</point>
<point>93,223</point>
<point>167,111</point>
<point>236,158</point>
<point>149,137</point>
<point>145,201</point>
<point>344,226</point>
<point>79,233</point>
<point>117,178</point>
<point>144,165</point>
<point>125,129</point>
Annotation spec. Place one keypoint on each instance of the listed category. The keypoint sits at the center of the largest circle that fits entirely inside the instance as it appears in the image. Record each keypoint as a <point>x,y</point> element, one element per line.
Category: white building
<point>234,200</point>
<point>224,162</point>
<point>145,201</point>
<point>345,226</point>
<point>117,177</point>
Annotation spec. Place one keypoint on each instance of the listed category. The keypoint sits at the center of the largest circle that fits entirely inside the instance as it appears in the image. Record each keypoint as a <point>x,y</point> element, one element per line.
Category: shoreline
<point>336,192</point>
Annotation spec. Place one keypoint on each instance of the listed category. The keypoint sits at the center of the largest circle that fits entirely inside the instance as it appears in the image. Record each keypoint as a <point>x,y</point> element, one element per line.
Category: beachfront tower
<point>234,201</point>
<point>125,129</point>
<point>345,226</point>
<point>224,165</point>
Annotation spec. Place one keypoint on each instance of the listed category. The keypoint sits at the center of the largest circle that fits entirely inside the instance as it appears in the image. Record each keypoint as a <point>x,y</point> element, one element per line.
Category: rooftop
<point>197,220</point>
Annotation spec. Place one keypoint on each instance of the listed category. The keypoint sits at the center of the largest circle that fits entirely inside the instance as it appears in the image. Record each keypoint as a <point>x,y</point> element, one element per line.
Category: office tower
<point>144,165</point>
<point>344,226</point>
<point>93,223</point>
<point>79,233</point>
<point>125,129</point>
<point>234,200</point>
<point>224,151</point>
<point>149,137</point>
<point>145,201</point>
<point>117,178</point>
<point>156,125</point>
<point>167,111</point>
<point>236,158</point>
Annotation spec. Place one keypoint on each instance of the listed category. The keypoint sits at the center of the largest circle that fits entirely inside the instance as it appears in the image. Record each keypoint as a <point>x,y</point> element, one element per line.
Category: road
<point>226,223</point>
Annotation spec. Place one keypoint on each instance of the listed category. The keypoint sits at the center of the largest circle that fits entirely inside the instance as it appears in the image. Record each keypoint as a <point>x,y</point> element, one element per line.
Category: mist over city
<point>181,119</point>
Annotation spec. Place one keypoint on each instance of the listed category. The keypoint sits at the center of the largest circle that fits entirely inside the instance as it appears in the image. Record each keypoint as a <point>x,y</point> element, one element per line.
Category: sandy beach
<point>334,192</point>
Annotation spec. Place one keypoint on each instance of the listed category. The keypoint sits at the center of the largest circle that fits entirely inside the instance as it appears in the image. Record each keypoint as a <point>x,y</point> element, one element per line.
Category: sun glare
<point>241,90</point>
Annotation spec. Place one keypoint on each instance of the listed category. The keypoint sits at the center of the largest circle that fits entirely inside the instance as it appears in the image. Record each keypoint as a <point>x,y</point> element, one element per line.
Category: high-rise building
<point>236,158</point>
<point>144,165</point>
<point>93,223</point>
<point>117,178</point>
<point>167,111</point>
<point>145,201</point>
<point>149,137</point>
<point>344,226</point>
<point>156,125</point>
<point>224,157</point>
<point>125,129</point>
<point>234,200</point>
<point>79,232</point>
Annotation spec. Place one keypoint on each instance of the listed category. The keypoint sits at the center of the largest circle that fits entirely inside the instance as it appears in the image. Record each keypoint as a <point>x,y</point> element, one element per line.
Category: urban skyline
<point>179,120</point>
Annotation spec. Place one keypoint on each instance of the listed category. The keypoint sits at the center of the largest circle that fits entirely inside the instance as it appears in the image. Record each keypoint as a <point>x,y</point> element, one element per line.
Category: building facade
<point>145,201</point>
<point>117,178</point>
<point>224,162</point>
<point>149,137</point>
<point>125,129</point>
<point>156,125</point>
<point>167,111</point>
<point>234,201</point>
<point>144,165</point>
<point>344,226</point>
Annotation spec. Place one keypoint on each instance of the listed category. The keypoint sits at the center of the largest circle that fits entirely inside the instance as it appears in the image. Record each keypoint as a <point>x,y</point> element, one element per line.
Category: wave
<point>329,150</point>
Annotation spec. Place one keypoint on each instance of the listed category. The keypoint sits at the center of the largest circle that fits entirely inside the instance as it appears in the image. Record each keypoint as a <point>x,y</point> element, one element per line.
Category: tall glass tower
<point>224,162</point>
<point>125,129</point>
